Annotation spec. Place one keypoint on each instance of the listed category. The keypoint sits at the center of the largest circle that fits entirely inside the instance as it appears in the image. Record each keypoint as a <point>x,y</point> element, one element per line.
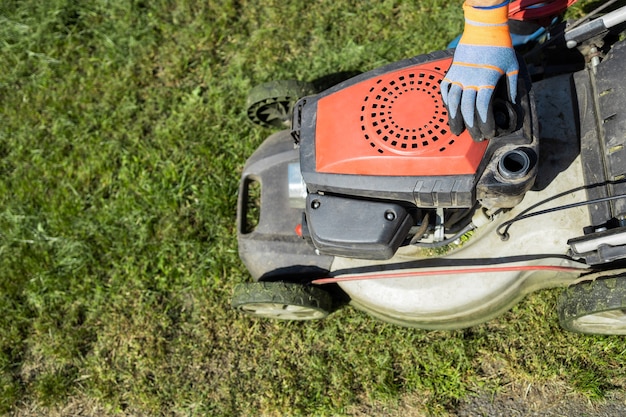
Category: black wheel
<point>271,104</point>
<point>282,300</point>
<point>595,307</point>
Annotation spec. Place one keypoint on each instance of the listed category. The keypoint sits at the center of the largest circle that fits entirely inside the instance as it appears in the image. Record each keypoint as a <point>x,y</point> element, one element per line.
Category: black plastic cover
<point>357,228</point>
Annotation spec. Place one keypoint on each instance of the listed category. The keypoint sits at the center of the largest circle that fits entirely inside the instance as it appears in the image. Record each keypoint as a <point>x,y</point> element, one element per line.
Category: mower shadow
<point>330,80</point>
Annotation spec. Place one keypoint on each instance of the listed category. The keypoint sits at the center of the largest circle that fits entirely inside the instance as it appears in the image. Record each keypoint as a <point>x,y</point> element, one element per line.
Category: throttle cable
<point>504,235</point>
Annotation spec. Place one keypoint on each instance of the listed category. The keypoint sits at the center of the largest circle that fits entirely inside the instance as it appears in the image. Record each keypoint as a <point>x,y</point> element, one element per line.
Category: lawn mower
<point>365,198</point>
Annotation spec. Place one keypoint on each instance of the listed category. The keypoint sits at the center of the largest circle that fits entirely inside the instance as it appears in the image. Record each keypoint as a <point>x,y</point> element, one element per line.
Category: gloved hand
<point>484,55</point>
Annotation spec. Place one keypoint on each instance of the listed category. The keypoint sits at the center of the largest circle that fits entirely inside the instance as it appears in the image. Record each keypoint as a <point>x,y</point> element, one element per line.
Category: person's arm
<point>483,56</point>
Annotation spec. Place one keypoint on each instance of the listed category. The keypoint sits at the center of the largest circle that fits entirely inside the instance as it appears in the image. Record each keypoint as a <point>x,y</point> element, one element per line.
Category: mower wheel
<point>595,307</point>
<point>282,300</point>
<point>271,104</point>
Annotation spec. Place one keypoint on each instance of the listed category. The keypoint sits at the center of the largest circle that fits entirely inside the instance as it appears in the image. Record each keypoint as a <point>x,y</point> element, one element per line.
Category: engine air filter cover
<point>394,124</point>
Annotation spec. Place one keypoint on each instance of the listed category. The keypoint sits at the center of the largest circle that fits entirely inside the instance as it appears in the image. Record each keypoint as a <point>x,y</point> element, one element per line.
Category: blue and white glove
<point>483,56</point>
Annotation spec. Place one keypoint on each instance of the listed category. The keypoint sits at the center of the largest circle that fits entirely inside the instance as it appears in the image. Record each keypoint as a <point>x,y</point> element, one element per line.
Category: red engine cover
<point>393,125</point>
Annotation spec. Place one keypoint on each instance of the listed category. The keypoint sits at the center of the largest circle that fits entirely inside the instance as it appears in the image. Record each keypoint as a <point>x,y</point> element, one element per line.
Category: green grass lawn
<point>122,136</point>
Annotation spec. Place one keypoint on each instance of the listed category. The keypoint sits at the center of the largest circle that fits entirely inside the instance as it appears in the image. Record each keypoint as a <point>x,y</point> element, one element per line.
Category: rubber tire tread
<point>281,293</point>
<point>584,298</point>
<point>274,92</point>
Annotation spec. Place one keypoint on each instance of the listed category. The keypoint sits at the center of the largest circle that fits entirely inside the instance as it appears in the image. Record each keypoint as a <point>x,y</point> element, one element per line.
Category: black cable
<point>421,230</point>
<point>564,193</point>
<point>505,235</point>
